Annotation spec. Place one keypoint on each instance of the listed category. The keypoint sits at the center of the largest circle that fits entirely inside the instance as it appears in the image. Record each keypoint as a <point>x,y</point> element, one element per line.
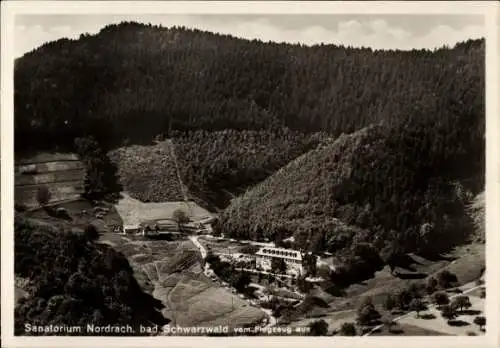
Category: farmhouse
<point>131,228</point>
<point>292,258</point>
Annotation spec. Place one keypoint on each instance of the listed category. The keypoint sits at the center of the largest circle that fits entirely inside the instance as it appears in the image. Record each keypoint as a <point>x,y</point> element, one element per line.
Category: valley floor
<point>174,272</point>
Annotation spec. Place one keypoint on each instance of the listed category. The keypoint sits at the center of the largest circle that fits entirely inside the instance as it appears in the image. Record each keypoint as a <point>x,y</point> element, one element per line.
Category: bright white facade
<point>130,229</point>
<point>292,258</point>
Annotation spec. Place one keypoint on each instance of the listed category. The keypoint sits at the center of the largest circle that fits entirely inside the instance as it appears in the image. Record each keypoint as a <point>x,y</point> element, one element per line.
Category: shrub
<point>483,293</point>
<point>461,302</point>
<point>348,329</point>
<point>180,217</point>
<point>278,265</point>
<point>389,323</point>
<point>448,313</point>
<point>43,195</point>
<point>367,313</point>
<point>417,305</point>
<point>446,279</point>
<point>318,328</point>
<point>249,249</point>
<point>441,298</point>
<point>91,233</point>
<point>390,302</point>
<point>404,298</point>
<point>432,284</point>
<point>19,207</point>
<point>417,290</point>
<point>480,321</point>
<point>62,213</point>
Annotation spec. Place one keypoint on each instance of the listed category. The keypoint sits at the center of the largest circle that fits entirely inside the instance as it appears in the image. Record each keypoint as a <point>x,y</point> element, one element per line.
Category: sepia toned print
<point>263,175</point>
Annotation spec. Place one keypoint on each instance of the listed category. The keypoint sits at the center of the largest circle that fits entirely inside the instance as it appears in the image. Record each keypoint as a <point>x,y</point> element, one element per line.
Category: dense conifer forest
<point>374,186</point>
<point>220,165</point>
<point>132,82</point>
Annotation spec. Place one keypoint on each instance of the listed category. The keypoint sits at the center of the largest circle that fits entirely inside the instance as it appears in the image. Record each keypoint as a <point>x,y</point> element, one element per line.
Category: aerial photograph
<point>249,175</point>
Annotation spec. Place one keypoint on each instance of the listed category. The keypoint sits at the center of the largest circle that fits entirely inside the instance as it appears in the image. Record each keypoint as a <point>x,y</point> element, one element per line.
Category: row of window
<point>280,252</point>
<point>286,260</point>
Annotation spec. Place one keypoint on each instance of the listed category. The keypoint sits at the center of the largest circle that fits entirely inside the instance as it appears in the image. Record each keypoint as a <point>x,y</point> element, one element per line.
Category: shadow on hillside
<point>166,237</point>
<point>358,275</point>
<point>427,316</point>
<point>145,307</point>
<point>437,257</point>
<point>401,275</point>
<point>405,262</point>
<point>56,213</point>
<point>469,312</point>
<point>458,322</point>
<point>396,331</point>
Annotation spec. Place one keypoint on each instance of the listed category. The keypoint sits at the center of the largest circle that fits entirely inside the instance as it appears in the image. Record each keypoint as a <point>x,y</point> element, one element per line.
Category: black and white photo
<point>277,175</point>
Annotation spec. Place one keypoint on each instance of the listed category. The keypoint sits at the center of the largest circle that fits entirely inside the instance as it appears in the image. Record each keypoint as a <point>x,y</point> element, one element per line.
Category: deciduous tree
<point>348,329</point>
<point>417,305</point>
<point>480,321</point>
<point>43,195</point>
<point>318,328</point>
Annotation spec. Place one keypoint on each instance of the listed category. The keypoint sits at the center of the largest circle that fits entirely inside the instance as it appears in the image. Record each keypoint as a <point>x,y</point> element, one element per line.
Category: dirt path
<point>182,186</point>
<point>203,251</point>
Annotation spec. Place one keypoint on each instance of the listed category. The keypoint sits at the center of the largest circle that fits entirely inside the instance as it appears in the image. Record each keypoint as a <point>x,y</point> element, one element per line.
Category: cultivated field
<point>61,173</point>
<point>172,272</point>
<point>50,177</point>
<point>148,173</point>
<point>133,211</point>
<point>407,330</point>
<point>80,214</point>
<point>334,320</point>
<point>43,157</point>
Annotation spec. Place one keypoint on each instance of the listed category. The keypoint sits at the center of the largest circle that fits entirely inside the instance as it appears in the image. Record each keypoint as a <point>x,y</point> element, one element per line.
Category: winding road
<point>203,251</point>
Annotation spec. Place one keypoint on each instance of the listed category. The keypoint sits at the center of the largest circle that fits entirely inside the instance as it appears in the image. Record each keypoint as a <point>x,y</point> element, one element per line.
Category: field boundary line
<point>182,186</point>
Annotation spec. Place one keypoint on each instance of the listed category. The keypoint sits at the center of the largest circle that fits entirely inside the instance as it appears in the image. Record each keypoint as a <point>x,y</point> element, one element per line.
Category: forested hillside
<point>383,186</point>
<point>131,82</point>
<point>217,166</point>
<point>239,110</point>
<point>75,281</point>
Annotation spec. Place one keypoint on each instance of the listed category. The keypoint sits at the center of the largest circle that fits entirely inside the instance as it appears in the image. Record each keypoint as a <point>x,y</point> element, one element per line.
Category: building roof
<point>280,253</point>
<point>131,226</point>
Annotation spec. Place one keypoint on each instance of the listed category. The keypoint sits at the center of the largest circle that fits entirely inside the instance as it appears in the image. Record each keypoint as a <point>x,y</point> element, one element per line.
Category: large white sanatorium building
<point>292,258</point>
